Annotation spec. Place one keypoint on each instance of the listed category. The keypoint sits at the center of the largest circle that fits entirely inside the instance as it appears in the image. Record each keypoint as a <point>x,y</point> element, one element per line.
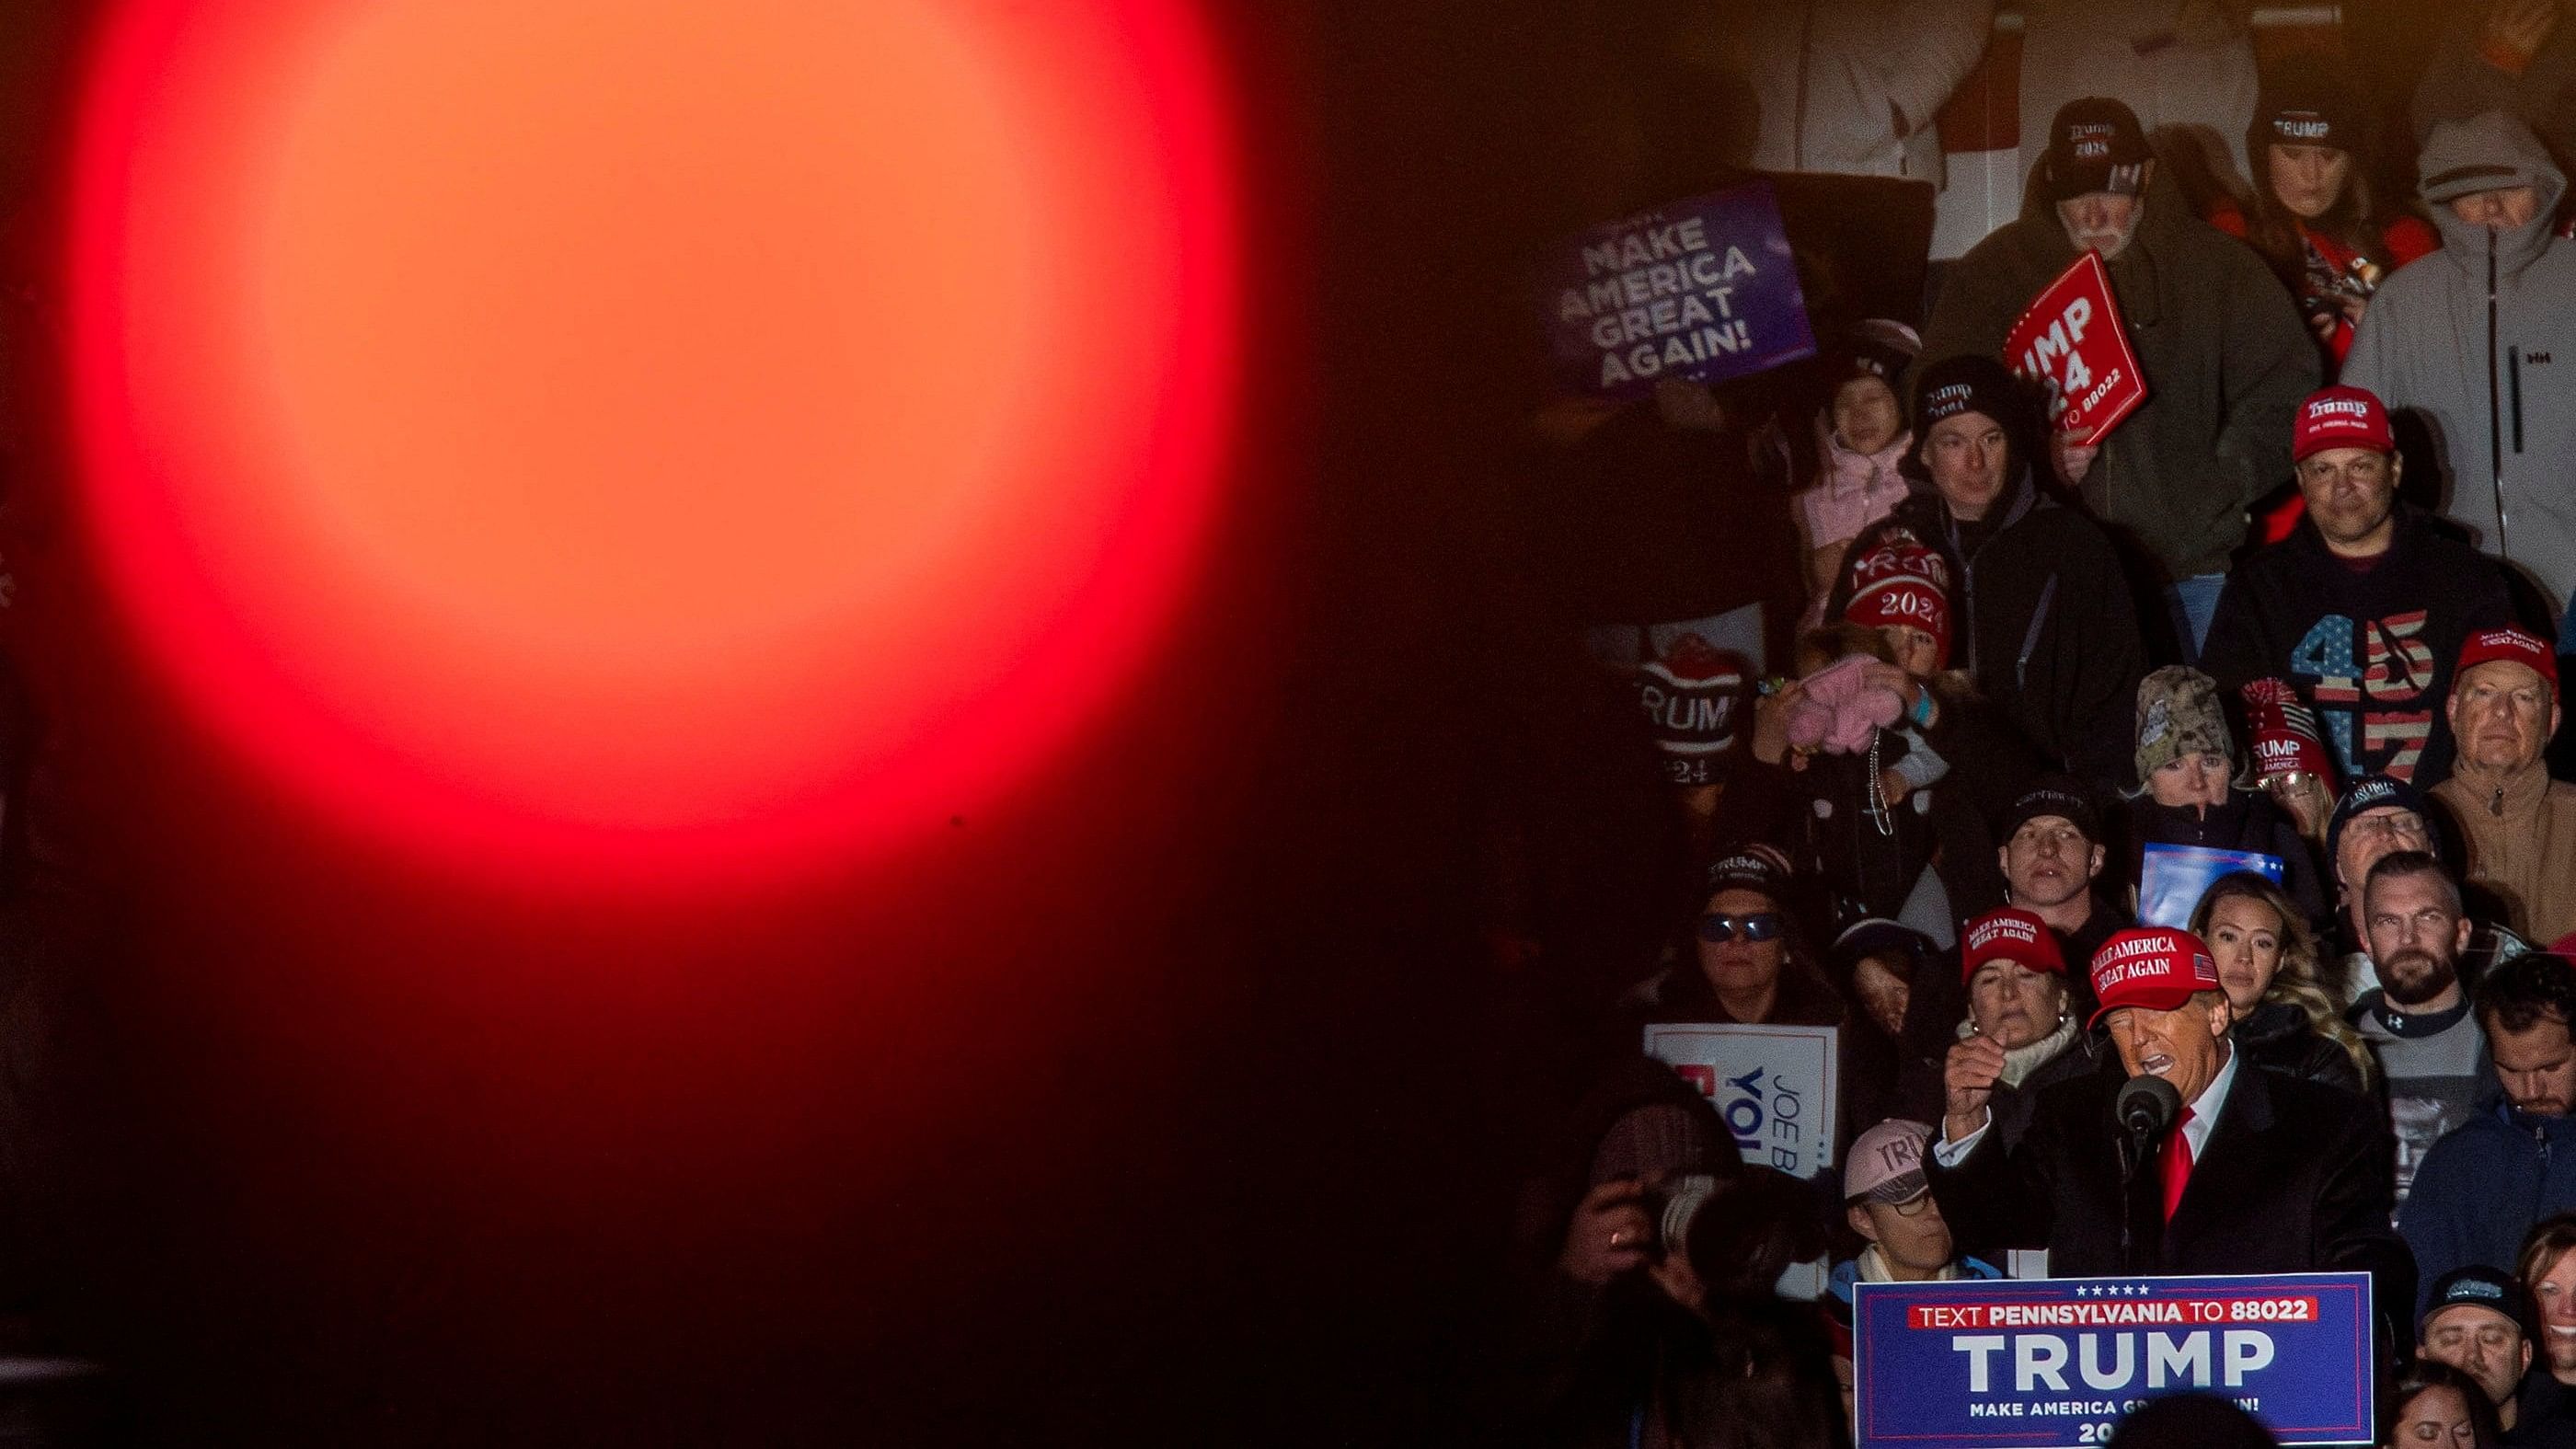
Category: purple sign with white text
<point>1703,289</point>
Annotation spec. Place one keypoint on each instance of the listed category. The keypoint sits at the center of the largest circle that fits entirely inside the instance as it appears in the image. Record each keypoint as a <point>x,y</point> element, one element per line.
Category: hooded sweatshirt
<point>2424,345</point>
<point>2226,359</point>
<point>2370,650</point>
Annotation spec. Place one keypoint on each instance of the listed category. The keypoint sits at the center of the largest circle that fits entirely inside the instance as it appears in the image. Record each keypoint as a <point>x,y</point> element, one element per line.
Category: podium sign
<point>2055,1363</point>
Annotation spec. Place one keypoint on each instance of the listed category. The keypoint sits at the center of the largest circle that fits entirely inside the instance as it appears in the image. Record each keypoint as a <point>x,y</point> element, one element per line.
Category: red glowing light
<point>619,434</point>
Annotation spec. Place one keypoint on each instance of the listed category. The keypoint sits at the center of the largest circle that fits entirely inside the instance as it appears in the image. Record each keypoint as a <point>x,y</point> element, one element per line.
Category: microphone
<point>2145,1107</point>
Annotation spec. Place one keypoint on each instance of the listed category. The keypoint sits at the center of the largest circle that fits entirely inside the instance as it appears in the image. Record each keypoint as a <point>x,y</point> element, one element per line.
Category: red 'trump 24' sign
<point>2071,338</point>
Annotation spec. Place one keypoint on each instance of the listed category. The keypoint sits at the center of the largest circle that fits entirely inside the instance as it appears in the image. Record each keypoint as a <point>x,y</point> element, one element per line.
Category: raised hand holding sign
<point>2072,339</point>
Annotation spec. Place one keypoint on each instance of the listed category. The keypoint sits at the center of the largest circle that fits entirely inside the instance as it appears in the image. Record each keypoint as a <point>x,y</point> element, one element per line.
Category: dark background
<point>1174,1101</point>
<point>1166,1103</point>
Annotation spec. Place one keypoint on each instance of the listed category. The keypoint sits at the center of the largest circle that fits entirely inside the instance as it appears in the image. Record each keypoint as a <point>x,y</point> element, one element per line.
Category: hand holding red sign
<point>2072,339</point>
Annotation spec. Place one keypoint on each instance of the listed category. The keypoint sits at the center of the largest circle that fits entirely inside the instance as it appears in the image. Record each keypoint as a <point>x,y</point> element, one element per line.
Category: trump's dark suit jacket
<point>2295,1178</point>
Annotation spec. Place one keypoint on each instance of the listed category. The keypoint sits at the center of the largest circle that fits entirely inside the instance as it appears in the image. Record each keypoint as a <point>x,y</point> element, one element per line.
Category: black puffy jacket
<point>2277,1037</point>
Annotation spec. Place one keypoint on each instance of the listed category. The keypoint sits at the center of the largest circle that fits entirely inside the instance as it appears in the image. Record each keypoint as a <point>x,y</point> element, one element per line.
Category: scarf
<point>2020,1062</point>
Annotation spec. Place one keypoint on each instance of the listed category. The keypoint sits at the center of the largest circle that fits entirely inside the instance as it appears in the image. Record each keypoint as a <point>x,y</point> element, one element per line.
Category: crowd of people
<point>2216,750</point>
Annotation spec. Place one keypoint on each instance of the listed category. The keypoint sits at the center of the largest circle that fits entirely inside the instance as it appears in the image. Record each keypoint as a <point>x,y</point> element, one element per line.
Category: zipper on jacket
<point>1968,578</point>
<point>2030,640</point>
<point>2540,1185</point>
<point>2513,377</point>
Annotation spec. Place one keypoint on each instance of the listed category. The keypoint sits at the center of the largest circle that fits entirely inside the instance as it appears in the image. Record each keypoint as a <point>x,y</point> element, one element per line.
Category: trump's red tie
<point>2177,1164</point>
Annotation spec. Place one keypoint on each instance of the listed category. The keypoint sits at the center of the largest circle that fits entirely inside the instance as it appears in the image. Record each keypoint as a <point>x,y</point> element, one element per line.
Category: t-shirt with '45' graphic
<point>2370,650</point>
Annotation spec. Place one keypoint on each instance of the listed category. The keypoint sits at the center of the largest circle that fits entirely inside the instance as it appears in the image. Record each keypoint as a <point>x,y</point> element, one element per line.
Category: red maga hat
<point>2151,966</point>
<point>2010,935</point>
<point>2340,417</point>
<point>2486,646</point>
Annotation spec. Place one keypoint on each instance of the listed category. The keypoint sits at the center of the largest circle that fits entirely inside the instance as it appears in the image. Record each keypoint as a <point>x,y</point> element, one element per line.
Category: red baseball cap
<point>2010,935</point>
<point>2340,417</point>
<point>2489,645</point>
<point>2150,966</point>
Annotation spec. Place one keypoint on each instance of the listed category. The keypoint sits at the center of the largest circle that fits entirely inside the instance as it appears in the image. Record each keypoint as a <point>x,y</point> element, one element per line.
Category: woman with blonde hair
<point>2267,964</point>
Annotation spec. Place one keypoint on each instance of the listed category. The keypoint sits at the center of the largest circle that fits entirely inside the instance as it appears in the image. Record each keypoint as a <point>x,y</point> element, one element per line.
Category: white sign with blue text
<point>1774,1085</point>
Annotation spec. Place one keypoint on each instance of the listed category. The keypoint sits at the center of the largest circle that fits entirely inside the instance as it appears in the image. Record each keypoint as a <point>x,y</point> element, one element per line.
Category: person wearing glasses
<point>1888,1201</point>
<point>2518,823</point>
<point>2377,816</point>
<point>1747,963</point>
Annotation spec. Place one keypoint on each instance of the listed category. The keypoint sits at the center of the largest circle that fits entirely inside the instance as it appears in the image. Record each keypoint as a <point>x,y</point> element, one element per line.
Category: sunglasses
<point>1759,926</point>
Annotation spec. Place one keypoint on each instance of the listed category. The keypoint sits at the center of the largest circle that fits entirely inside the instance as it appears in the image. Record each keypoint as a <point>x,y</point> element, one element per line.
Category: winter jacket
<point>1989,765</point>
<point>1680,992</point>
<point>2039,620</point>
<point>2521,834</point>
<point>2371,652</point>
<point>1853,490</point>
<point>2482,1187</point>
<point>2225,356</point>
<point>2424,345</point>
<point>1867,858</point>
<point>2293,1178</point>
<point>2277,1037</point>
<point>2462,81</point>
<point>2248,820</point>
<point>1828,74</point>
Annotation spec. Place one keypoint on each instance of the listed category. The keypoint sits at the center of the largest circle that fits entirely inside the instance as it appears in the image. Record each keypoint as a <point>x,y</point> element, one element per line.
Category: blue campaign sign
<point>2173,878</point>
<point>2053,1363</point>
<point>1702,289</point>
